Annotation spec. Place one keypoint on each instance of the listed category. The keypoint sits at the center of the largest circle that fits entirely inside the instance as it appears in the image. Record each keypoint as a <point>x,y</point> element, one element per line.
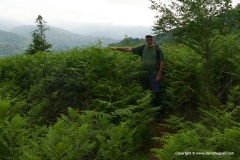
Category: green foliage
<point>128,41</point>
<point>87,104</point>
<point>186,86</point>
<point>211,116</point>
<point>182,80</point>
<point>224,64</point>
<point>117,143</point>
<point>39,42</point>
<point>101,84</point>
<point>76,78</point>
<point>234,97</point>
<point>217,131</point>
<point>14,131</point>
<point>68,138</point>
<point>4,113</point>
<point>12,44</point>
<point>232,20</point>
<point>89,134</point>
<point>194,24</point>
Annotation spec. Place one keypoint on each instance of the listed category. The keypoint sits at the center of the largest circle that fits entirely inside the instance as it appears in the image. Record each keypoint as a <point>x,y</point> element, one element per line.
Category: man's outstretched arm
<point>124,49</point>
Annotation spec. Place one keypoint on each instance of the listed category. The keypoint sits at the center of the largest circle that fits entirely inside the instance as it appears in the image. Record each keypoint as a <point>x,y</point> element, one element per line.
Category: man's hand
<point>158,77</point>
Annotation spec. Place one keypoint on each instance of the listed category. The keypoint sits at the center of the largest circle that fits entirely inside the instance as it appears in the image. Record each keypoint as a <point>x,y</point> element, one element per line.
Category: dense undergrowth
<point>204,118</point>
<point>81,104</point>
<point>88,104</point>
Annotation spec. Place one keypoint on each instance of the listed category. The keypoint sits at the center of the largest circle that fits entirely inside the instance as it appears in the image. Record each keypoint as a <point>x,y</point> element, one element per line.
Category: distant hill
<point>62,39</point>
<point>12,43</point>
<point>19,38</point>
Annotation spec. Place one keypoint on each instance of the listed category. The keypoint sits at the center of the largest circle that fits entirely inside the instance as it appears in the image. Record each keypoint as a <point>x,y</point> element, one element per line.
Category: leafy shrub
<point>218,131</point>
<point>14,131</point>
<point>101,84</point>
<point>87,135</point>
<point>49,83</point>
<point>182,82</point>
<point>224,64</point>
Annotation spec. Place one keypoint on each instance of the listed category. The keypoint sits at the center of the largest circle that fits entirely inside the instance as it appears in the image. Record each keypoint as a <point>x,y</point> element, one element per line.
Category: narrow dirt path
<point>158,131</point>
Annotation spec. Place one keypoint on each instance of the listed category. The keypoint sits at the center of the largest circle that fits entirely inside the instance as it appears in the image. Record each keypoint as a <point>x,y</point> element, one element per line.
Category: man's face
<point>149,40</point>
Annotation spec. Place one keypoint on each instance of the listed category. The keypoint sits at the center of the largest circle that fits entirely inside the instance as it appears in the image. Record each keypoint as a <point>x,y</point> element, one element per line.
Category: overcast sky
<point>60,13</point>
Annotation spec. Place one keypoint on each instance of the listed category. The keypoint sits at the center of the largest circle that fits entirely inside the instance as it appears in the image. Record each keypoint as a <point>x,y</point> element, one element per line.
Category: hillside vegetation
<point>64,40</point>
<point>87,104</point>
<point>12,44</point>
<point>78,104</point>
<point>17,41</point>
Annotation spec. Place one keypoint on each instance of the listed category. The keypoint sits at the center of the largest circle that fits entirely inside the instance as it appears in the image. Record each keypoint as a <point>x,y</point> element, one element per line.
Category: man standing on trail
<point>152,62</point>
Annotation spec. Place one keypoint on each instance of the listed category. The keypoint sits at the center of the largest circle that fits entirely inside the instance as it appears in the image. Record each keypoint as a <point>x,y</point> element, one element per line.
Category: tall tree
<point>39,42</point>
<point>194,23</point>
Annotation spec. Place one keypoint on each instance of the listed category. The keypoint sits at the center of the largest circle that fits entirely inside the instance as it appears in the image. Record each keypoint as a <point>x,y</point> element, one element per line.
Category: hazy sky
<point>56,12</point>
<point>60,13</point>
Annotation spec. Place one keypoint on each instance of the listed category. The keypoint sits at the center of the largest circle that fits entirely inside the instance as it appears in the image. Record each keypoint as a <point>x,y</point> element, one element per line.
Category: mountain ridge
<point>12,43</point>
<point>20,39</point>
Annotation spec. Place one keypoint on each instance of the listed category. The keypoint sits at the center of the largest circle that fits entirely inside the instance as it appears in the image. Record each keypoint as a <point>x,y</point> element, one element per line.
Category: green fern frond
<point>173,122</point>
